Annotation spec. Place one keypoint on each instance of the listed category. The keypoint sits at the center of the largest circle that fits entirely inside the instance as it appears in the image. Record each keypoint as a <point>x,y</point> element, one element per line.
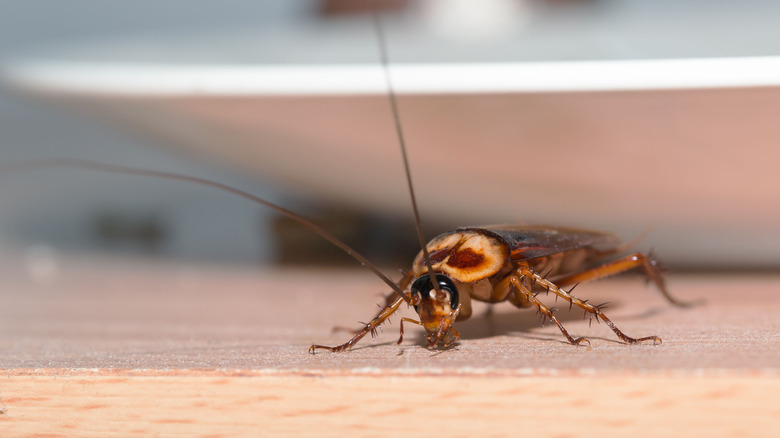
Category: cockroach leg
<point>446,332</point>
<point>645,262</point>
<point>369,328</point>
<point>526,272</point>
<point>455,336</point>
<point>413,321</point>
<point>544,310</point>
<point>403,283</point>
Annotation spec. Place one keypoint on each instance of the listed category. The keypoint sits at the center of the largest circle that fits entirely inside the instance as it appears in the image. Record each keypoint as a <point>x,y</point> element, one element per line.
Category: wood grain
<point>190,404</point>
<point>121,347</point>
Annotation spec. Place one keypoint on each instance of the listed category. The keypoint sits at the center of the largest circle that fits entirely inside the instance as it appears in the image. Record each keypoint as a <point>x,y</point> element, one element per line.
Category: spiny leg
<point>544,310</point>
<point>403,283</point>
<point>369,328</point>
<point>645,262</point>
<point>524,271</point>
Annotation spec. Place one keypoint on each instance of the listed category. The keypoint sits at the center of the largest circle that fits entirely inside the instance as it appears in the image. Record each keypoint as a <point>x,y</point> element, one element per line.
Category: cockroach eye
<point>424,286</point>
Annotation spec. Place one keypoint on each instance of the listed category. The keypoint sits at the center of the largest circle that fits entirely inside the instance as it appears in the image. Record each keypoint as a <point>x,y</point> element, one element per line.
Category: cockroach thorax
<point>464,255</point>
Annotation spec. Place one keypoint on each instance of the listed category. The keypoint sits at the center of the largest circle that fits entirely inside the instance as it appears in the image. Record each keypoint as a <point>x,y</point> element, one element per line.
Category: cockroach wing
<point>530,242</point>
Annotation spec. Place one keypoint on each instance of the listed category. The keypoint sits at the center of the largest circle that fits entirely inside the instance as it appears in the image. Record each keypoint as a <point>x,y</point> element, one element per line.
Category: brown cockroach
<point>508,263</point>
<point>490,263</point>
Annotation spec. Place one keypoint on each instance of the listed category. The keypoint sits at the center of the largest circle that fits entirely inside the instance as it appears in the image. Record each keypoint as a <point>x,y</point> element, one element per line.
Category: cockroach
<point>488,263</point>
<point>508,263</point>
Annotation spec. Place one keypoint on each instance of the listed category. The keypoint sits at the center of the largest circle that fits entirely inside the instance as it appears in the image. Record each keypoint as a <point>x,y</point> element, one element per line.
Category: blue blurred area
<point>82,210</point>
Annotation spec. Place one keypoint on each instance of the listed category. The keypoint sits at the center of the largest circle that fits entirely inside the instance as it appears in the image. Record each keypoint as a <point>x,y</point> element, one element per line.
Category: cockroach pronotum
<point>489,263</point>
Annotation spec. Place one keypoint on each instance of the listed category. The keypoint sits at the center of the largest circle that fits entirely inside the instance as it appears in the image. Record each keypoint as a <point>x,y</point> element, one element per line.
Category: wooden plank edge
<point>208,404</point>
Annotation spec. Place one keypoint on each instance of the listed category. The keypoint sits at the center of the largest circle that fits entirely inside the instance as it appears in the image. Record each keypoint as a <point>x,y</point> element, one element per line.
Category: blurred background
<point>562,121</point>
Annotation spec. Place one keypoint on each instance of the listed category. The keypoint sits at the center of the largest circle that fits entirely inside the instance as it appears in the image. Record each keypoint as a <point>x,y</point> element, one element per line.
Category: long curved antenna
<point>93,165</point>
<point>402,142</point>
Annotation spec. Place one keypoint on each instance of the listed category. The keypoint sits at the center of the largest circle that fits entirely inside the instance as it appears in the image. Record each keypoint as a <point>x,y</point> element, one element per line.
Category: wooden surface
<point>117,347</point>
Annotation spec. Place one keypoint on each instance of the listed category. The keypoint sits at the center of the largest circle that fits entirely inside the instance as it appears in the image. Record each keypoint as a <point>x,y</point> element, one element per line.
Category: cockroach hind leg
<point>647,264</point>
<point>653,271</point>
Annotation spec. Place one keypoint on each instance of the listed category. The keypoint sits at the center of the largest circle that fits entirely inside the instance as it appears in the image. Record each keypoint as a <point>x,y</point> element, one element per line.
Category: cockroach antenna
<point>380,36</point>
<point>113,168</point>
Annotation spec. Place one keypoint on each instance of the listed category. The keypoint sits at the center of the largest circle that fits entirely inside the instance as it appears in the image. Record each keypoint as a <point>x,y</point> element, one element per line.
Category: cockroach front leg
<point>403,283</point>
<point>369,328</point>
<point>404,319</point>
<point>524,271</point>
<point>446,331</point>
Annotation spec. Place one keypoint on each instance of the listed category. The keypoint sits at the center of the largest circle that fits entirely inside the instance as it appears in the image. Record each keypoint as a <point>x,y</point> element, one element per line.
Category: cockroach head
<point>437,309</point>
